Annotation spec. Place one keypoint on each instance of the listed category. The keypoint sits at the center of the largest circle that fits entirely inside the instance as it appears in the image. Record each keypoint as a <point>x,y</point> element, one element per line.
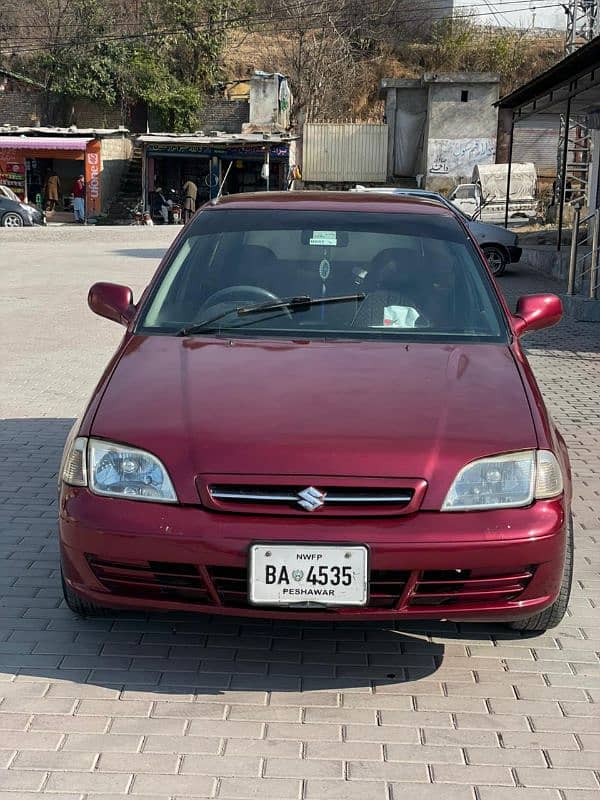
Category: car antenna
<point>216,199</point>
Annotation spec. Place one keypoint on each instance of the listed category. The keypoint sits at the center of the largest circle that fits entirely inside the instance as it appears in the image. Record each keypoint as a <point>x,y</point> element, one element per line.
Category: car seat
<point>251,265</point>
<point>395,278</point>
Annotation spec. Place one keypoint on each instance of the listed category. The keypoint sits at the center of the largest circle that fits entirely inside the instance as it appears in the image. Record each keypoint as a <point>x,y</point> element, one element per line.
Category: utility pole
<point>582,18</point>
<point>574,143</point>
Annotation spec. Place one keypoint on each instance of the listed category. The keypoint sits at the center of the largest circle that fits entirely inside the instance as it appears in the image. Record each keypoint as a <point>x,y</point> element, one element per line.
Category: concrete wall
<point>462,125</point>
<point>116,154</point>
<point>548,261</point>
<point>224,115</point>
<point>264,101</point>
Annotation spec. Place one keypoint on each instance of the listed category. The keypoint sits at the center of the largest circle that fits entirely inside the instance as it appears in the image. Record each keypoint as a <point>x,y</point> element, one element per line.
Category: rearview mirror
<point>113,301</point>
<point>536,311</point>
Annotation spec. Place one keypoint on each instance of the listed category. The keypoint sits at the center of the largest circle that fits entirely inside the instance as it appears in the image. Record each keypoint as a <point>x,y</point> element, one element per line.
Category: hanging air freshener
<point>324,269</point>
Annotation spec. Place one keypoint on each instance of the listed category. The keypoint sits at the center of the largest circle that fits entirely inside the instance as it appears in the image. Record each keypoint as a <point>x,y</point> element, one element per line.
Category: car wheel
<point>552,616</point>
<point>496,258</point>
<point>12,220</point>
<point>81,607</point>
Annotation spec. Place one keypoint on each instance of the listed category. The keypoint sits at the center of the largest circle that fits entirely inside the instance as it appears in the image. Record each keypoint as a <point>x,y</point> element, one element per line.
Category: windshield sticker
<point>324,238</point>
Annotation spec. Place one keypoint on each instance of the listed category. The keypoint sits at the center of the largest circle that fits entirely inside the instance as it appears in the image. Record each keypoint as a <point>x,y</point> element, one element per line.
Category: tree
<point>165,53</point>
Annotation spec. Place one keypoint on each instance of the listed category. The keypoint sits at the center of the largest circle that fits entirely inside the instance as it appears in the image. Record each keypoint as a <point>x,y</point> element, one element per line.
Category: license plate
<point>290,574</point>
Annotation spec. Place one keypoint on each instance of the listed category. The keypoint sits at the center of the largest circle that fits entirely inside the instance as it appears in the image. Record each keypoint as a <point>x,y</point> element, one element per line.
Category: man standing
<point>52,191</point>
<point>79,200</point>
<point>190,193</point>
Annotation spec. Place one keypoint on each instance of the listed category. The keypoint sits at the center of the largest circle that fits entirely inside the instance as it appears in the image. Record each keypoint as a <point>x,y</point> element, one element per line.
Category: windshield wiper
<point>293,303</point>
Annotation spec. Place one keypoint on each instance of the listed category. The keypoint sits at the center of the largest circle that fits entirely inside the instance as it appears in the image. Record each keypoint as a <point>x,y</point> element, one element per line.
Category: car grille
<point>338,500</point>
<point>463,587</point>
<point>231,584</point>
<point>154,580</point>
<point>228,586</point>
<point>386,587</point>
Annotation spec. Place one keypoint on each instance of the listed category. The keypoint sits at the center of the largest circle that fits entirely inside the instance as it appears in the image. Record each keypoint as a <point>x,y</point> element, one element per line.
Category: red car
<point>320,410</point>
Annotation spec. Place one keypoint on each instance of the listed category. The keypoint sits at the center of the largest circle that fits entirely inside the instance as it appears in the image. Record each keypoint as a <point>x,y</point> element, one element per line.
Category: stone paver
<point>178,706</point>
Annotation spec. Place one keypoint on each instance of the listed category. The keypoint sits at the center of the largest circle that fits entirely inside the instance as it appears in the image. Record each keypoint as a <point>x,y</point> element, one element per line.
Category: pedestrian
<point>79,200</point>
<point>147,219</point>
<point>190,194</point>
<point>160,205</point>
<point>52,191</point>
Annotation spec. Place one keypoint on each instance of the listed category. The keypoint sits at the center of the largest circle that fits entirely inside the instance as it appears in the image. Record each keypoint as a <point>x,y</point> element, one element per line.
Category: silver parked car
<point>500,246</point>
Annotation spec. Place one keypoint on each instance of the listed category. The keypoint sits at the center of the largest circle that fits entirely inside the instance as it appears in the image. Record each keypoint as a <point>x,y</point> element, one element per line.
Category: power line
<point>400,13</point>
<point>222,25</point>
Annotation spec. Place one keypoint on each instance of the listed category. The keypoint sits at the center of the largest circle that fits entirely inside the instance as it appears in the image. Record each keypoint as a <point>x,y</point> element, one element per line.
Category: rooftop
<point>199,138</point>
<point>16,130</point>
<point>575,76</point>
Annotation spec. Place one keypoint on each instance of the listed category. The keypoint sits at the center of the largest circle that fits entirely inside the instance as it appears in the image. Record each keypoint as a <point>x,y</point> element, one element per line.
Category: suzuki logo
<point>311,499</point>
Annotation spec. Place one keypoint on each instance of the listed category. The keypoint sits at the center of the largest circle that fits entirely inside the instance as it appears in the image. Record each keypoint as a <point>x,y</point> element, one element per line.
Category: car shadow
<point>176,653</point>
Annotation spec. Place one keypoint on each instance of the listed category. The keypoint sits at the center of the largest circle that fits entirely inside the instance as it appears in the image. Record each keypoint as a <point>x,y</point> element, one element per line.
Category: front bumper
<point>493,565</point>
<point>514,253</point>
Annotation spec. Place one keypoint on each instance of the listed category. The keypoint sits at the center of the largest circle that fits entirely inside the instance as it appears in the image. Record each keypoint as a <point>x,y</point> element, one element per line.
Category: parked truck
<point>485,197</point>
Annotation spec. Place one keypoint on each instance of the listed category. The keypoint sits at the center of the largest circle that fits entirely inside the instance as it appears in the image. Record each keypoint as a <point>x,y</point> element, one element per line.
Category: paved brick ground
<point>162,707</point>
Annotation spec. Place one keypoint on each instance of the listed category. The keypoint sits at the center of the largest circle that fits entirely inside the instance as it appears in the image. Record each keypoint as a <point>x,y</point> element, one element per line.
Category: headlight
<point>116,470</point>
<point>505,481</point>
<point>121,471</point>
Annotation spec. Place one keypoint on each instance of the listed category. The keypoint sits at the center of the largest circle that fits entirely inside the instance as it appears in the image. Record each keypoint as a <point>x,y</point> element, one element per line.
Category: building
<point>570,88</point>
<point>228,154</point>
<point>244,162</point>
<point>440,127</point>
<point>29,155</point>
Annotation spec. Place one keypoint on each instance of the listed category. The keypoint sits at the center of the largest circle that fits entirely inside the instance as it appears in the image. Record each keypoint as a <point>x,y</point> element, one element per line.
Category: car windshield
<point>9,193</point>
<point>381,275</point>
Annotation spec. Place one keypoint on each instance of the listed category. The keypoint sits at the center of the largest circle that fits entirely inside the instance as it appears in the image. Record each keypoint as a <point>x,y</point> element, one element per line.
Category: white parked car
<point>501,246</point>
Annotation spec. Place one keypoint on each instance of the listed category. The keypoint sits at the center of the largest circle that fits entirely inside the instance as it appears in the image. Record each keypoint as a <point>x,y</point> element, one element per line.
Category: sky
<point>515,13</point>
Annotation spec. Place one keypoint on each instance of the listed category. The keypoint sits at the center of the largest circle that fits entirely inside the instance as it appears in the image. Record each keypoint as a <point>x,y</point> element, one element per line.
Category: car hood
<point>312,408</point>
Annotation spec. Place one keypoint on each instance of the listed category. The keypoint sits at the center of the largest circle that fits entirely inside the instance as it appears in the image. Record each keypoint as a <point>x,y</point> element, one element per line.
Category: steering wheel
<point>245,293</point>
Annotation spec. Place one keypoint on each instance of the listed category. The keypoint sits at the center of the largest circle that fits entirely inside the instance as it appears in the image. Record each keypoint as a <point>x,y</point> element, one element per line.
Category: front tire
<point>81,607</point>
<point>496,258</point>
<point>12,220</point>
<point>554,614</point>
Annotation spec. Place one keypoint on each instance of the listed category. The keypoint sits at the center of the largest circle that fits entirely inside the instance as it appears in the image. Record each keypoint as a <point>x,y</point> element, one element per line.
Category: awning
<point>44,143</point>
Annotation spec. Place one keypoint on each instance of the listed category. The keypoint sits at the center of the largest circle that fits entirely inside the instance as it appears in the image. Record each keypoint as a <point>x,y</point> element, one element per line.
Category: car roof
<point>335,201</point>
<point>401,190</point>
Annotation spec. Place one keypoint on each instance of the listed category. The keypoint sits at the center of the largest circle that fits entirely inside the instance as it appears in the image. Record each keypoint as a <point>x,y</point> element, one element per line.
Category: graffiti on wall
<point>457,157</point>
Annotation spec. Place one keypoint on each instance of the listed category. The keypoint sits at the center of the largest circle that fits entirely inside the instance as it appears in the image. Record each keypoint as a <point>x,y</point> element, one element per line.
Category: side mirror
<point>536,311</point>
<point>113,301</point>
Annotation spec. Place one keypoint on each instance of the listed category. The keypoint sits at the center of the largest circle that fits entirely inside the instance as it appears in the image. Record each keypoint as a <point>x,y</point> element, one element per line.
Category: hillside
<point>335,80</point>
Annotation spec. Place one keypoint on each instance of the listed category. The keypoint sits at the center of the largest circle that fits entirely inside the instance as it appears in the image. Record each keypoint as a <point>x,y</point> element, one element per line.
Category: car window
<point>403,274</point>
<point>465,193</point>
